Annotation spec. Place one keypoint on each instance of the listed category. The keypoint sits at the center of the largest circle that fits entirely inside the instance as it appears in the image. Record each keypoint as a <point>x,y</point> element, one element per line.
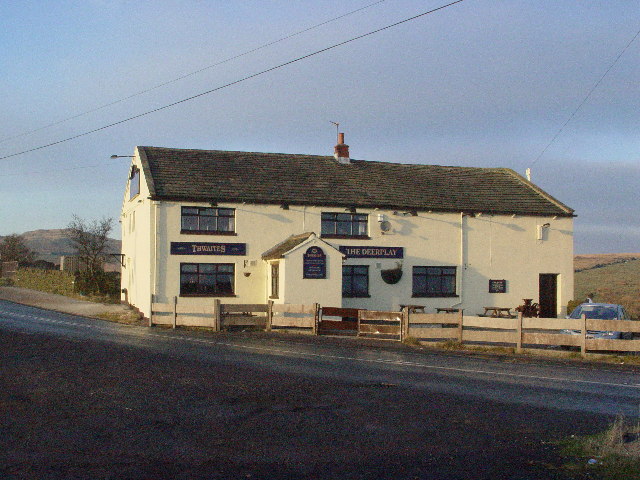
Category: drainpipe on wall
<point>154,277</point>
<point>304,218</point>
<point>463,264</point>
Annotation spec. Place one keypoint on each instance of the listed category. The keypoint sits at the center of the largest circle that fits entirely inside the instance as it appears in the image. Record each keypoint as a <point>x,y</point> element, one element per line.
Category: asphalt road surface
<point>87,399</point>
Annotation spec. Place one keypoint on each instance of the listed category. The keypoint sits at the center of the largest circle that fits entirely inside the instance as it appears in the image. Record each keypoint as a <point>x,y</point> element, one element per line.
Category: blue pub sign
<point>314,263</point>
<point>372,252</point>
<point>208,248</point>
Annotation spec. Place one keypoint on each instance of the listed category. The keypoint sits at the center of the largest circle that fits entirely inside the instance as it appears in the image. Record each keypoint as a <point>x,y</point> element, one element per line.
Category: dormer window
<point>344,225</point>
<point>208,220</point>
<point>134,182</point>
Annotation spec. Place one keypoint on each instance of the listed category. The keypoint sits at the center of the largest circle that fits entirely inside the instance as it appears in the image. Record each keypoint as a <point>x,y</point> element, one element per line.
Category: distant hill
<point>611,278</point>
<point>586,262</point>
<point>49,245</point>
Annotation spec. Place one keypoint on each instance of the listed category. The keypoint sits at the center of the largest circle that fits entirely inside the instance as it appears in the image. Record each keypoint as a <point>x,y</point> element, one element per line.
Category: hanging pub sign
<point>497,286</point>
<point>372,252</point>
<point>314,263</point>
<point>208,248</point>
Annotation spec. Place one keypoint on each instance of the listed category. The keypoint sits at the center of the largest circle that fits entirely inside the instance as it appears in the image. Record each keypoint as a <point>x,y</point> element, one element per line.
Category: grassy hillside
<point>585,262</point>
<point>613,283</point>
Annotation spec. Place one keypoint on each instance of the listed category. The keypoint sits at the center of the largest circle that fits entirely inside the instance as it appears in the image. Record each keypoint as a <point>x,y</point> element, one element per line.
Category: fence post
<point>359,314</point>
<point>519,333</point>
<point>316,318</point>
<point>151,312</point>
<point>404,324</point>
<point>460,325</point>
<point>175,311</point>
<point>583,339</point>
<point>216,315</point>
<point>267,327</point>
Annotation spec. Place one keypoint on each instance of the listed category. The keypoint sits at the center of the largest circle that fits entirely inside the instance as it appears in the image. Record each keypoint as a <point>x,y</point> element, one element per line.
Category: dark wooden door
<point>548,285</point>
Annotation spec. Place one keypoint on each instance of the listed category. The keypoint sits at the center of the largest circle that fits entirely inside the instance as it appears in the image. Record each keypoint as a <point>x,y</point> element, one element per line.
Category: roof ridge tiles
<point>303,179</point>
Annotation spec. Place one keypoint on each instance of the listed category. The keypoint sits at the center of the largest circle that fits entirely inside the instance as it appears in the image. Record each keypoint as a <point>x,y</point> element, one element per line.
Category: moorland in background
<point>609,278</point>
<point>50,244</point>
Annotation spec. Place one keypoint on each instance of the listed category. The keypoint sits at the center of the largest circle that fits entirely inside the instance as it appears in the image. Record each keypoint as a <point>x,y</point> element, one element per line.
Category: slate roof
<point>279,178</point>
<point>283,247</point>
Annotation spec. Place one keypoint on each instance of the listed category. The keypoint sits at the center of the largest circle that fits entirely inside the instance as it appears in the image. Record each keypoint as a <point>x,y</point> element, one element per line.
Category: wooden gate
<point>381,324</point>
<point>336,320</point>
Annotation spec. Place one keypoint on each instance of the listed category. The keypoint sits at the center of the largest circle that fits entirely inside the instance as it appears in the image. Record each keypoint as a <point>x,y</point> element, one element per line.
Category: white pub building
<point>251,227</point>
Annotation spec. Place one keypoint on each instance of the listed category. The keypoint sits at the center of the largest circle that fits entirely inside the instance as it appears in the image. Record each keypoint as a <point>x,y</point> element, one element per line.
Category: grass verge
<point>612,455</point>
<point>129,317</point>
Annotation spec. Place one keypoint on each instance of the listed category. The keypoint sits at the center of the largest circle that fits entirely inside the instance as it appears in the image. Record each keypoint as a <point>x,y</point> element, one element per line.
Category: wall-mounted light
<point>541,231</point>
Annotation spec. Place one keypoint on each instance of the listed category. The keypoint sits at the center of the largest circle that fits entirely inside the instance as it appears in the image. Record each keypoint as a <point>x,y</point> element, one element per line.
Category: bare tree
<point>13,249</point>
<point>90,242</point>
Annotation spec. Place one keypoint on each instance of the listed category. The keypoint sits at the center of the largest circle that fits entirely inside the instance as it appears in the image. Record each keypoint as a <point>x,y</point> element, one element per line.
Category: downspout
<point>462,263</point>
<point>304,218</point>
<point>154,274</point>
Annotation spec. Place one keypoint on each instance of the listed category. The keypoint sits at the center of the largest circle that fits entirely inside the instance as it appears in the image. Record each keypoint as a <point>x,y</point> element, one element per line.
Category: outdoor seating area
<point>497,312</point>
<point>413,308</point>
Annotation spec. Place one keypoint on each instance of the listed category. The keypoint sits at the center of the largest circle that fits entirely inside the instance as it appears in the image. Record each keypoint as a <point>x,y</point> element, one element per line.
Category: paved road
<point>91,399</point>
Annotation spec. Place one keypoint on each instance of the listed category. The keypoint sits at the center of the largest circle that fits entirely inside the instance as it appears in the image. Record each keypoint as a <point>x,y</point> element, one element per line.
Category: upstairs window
<point>208,220</point>
<point>344,225</point>
<point>134,182</point>
<point>434,281</point>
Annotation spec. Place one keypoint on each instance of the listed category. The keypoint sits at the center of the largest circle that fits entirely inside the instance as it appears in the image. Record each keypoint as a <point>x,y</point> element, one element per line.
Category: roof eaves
<point>568,211</point>
<point>146,169</point>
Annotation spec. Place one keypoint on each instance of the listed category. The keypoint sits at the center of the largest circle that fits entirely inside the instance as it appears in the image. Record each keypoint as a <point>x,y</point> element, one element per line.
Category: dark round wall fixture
<point>391,275</point>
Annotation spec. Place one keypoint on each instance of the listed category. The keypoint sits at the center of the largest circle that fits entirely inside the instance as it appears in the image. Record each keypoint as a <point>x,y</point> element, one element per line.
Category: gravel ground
<point>91,410</point>
<point>59,303</point>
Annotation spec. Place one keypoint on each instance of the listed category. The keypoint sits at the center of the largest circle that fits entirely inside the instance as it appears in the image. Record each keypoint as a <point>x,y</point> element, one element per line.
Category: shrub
<point>98,283</point>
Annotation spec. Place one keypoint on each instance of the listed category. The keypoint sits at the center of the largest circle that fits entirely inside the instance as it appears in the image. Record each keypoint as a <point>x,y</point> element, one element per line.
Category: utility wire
<point>57,171</point>
<point>182,77</point>
<point>336,45</point>
<point>585,99</point>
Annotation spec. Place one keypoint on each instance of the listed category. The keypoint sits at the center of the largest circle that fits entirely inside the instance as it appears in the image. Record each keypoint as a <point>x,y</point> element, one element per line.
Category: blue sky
<point>478,84</point>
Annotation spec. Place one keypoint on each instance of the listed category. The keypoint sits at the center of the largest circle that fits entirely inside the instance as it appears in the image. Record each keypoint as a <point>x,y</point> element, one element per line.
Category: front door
<point>548,285</point>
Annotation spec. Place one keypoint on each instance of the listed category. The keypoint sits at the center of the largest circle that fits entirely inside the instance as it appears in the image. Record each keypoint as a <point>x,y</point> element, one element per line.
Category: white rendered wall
<point>481,247</point>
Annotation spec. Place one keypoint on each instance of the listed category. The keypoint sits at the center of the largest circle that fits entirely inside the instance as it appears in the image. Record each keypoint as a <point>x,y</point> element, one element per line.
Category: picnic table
<point>413,308</point>
<point>498,312</point>
<point>447,310</point>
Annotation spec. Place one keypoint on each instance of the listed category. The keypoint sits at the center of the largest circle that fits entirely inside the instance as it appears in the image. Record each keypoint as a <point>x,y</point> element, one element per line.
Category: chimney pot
<point>341,151</point>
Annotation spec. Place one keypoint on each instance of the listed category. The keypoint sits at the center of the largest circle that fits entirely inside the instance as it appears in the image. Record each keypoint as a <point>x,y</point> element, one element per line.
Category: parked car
<point>601,311</point>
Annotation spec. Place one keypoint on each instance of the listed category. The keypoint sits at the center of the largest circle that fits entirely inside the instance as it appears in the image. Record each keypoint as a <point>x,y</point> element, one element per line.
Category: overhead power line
<point>560,130</point>
<point>248,77</point>
<point>187,75</point>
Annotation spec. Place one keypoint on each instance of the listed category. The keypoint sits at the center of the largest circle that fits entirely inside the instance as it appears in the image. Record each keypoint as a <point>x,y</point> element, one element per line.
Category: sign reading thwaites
<point>208,248</point>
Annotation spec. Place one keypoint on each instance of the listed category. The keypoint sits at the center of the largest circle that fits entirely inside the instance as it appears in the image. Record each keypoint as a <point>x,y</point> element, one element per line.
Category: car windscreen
<point>595,311</point>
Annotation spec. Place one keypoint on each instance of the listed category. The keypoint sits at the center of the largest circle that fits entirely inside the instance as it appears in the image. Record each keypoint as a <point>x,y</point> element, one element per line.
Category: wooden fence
<point>221,316</point>
<point>522,334</point>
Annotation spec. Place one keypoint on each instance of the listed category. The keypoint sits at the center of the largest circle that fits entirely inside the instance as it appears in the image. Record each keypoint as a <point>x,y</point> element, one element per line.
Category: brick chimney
<point>341,151</point>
